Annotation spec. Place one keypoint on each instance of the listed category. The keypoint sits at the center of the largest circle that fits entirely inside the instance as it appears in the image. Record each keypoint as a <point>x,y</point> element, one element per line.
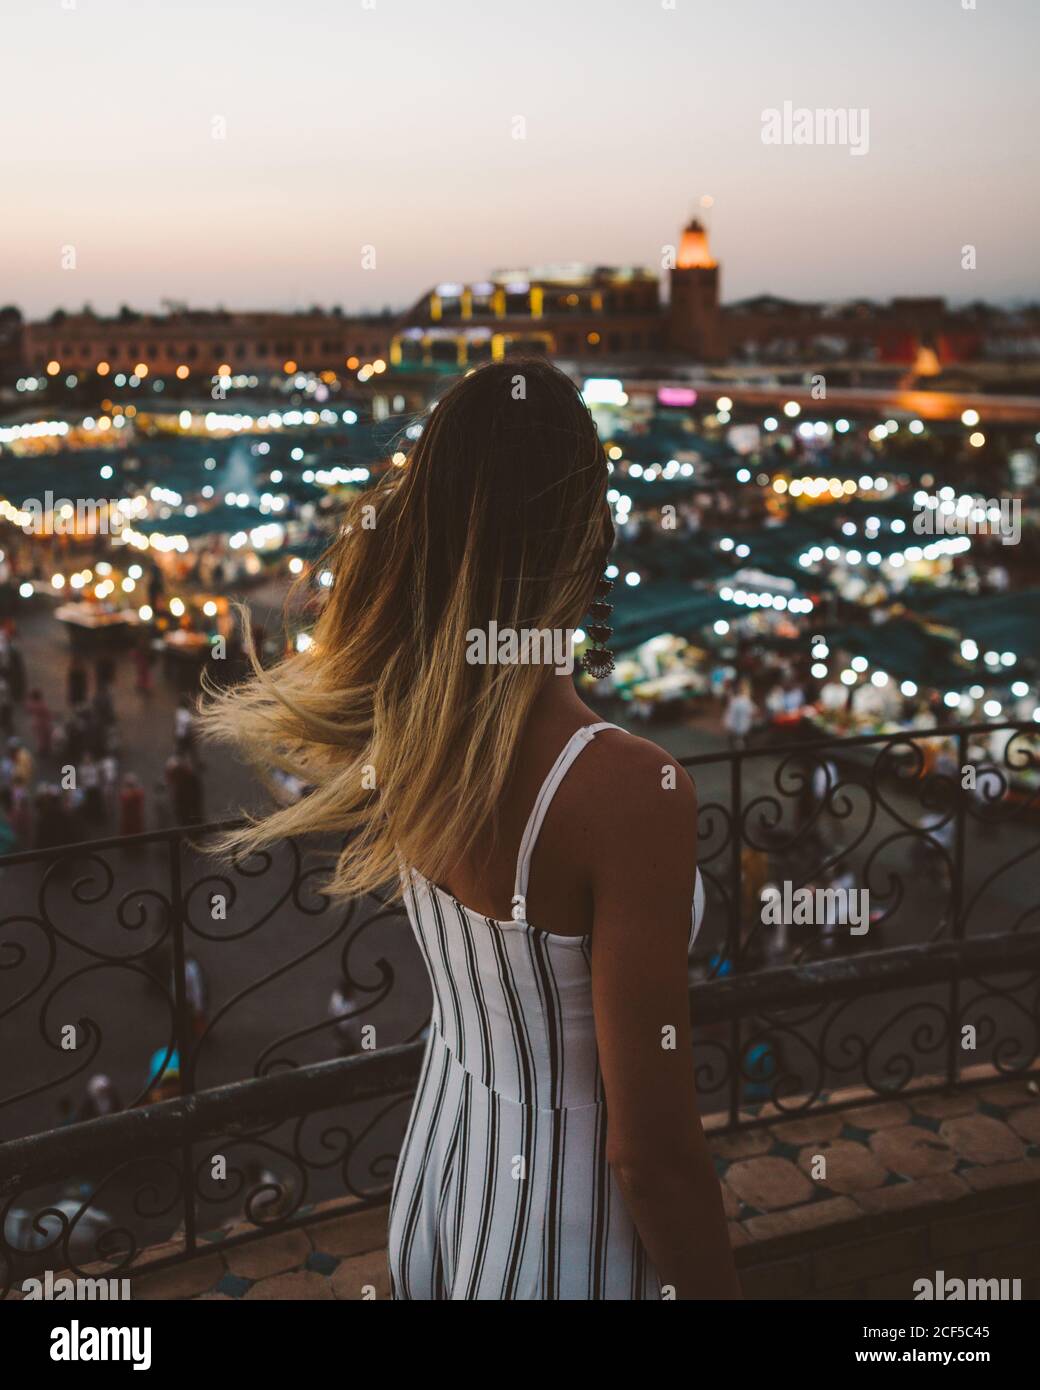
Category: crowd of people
<point>62,773</point>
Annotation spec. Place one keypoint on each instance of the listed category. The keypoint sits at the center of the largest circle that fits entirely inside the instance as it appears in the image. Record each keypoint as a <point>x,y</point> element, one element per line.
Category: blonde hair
<point>499,513</point>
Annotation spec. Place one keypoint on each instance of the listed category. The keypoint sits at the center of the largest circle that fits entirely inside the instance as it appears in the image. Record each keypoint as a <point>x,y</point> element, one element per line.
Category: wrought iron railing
<point>944,835</point>
<point>201,992</point>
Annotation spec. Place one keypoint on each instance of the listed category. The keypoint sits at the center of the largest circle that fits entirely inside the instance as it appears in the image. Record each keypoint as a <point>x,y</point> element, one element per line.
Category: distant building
<point>12,335</point>
<point>570,311</point>
<point>924,333</point>
<point>563,311</point>
<point>202,341</point>
<point>696,326</point>
<point>600,312</point>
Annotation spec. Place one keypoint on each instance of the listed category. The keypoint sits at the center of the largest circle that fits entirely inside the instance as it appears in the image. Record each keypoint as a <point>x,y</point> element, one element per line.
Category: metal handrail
<point>241,1106</point>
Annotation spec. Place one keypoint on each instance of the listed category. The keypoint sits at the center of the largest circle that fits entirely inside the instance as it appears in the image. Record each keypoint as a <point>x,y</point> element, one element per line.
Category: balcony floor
<point>946,1182</point>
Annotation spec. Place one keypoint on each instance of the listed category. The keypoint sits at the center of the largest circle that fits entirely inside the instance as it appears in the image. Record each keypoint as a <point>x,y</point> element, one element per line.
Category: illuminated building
<point>200,341</point>
<point>587,313</point>
<point>563,311</point>
<point>572,312</point>
<point>568,311</point>
<point>695,319</point>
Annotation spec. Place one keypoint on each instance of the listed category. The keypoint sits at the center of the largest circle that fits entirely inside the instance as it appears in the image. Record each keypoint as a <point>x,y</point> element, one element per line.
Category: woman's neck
<point>557,702</point>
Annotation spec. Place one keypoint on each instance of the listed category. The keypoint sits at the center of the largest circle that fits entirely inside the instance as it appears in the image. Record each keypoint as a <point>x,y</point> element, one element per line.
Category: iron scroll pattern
<point>942,834</point>
<point>134,970</point>
<point>787,1062</point>
<point>147,962</point>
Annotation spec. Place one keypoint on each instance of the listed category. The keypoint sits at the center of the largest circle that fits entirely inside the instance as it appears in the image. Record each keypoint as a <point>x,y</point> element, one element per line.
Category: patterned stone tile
<point>944,1107</point>
<point>807,1217</point>
<point>982,1139</point>
<point>850,1168</point>
<point>984,1179</point>
<point>301,1286</point>
<point>741,1144</point>
<point>781,1150</point>
<point>1026,1123</point>
<point>769,1183</point>
<point>234,1286</point>
<point>364,1277</point>
<point>854,1134</point>
<point>351,1234</point>
<point>929,1122</point>
<point>811,1129</point>
<point>272,1255</point>
<point>993,1112</point>
<point>180,1281</point>
<point>912,1152</point>
<point>886,1115</point>
<point>901,1196</point>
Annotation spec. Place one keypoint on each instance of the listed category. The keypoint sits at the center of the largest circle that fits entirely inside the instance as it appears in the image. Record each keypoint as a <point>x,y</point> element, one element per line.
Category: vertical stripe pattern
<point>502,1188</point>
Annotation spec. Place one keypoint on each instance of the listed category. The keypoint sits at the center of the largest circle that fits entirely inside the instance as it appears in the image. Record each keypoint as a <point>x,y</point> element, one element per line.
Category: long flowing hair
<point>498,514</point>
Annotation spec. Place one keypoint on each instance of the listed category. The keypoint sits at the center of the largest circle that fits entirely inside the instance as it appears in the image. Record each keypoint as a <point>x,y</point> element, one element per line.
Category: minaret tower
<point>694,321</point>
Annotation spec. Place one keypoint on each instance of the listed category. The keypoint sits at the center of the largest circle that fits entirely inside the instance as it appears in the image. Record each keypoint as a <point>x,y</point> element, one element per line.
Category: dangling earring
<point>596,660</point>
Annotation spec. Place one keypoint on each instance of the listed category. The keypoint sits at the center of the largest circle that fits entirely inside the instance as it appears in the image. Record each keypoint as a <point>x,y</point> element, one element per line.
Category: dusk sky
<point>392,126</point>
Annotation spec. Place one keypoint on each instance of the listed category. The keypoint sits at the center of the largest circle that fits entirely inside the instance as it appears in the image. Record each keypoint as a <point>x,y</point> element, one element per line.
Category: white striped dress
<point>502,1189</point>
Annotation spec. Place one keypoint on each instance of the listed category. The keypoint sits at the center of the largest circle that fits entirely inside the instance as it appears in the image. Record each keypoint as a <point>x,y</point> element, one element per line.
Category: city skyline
<point>254,162</point>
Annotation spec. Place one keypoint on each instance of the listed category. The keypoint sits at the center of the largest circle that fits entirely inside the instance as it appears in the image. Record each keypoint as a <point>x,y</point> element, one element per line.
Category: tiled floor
<point>342,1257</point>
<point>778,1180</point>
<point>883,1157</point>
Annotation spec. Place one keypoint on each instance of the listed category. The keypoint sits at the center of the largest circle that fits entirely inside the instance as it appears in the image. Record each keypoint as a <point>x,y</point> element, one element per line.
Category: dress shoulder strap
<point>577,741</point>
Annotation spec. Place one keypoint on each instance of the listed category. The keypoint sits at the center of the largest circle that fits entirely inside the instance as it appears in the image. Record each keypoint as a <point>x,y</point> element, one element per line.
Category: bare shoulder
<point>634,769</point>
<point>628,792</point>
